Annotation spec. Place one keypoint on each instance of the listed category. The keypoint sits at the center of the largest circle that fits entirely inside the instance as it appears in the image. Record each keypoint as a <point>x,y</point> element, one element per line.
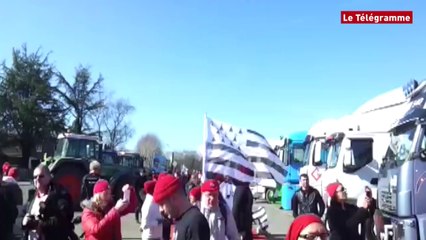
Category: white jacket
<point>151,219</point>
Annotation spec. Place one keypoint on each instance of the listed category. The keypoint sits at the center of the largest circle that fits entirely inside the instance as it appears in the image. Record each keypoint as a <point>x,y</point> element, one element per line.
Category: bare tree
<point>149,146</point>
<point>117,129</point>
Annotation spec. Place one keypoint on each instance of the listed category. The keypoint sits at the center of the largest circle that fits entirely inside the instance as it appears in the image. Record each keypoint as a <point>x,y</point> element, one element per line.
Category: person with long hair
<point>100,221</point>
<point>344,218</point>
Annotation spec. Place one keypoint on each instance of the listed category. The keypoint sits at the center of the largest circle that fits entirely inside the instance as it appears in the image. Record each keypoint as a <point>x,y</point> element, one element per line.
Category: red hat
<point>196,193</point>
<point>332,188</point>
<point>166,186</point>
<point>13,172</point>
<point>210,186</point>
<point>5,167</point>
<point>149,187</point>
<point>299,224</point>
<point>100,186</point>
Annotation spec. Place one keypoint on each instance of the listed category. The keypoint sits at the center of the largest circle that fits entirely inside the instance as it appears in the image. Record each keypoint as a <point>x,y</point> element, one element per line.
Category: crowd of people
<point>175,206</point>
<point>344,220</point>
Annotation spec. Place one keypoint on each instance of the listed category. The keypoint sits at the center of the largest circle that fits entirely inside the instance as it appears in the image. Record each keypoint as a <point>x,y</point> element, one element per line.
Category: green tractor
<point>70,162</point>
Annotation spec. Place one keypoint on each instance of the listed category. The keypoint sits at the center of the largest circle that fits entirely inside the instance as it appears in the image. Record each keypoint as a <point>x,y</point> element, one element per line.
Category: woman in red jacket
<point>100,221</point>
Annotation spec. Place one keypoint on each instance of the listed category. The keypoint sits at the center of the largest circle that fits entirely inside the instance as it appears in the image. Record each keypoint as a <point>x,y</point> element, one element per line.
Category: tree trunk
<point>26,147</point>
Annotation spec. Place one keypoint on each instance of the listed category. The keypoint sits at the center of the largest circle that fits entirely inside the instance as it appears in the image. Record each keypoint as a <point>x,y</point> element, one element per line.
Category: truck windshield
<point>298,153</point>
<point>401,142</point>
<point>333,154</point>
<point>306,153</point>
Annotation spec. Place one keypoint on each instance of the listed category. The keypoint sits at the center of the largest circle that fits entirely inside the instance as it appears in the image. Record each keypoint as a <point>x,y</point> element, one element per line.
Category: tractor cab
<point>77,146</point>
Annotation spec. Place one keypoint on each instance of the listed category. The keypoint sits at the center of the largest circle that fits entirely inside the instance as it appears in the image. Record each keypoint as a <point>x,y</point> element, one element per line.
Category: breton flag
<point>234,151</point>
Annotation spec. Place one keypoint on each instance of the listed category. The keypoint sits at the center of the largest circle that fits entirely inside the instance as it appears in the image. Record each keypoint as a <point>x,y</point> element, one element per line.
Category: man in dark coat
<point>242,210</point>
<point>90,179</point>
<point>307,199</point>
<point>50,213</point>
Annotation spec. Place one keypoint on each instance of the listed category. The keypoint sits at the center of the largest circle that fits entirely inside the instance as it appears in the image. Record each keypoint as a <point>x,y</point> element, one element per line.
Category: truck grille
<point>387,201</point>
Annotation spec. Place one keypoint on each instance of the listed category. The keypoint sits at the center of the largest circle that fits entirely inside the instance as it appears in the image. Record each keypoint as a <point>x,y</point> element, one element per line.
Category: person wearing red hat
<point>344,218</point>
<point>5,168</point>
<point>151,218</point>
<point>219,216</point>
<point>99,220</point>
<point>195,196</point>
<point>190,224</point>
<point>307,226</point>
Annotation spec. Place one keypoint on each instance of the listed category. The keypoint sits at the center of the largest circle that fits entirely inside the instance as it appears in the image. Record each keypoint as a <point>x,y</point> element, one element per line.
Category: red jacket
<point>108,227</point>
<point>98,227</point>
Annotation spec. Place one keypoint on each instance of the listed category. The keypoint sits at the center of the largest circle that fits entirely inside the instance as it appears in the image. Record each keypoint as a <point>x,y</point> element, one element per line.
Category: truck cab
<point>353,160</point>
<point>291,153</point>
<point>401,186</point>
<point>315,154</point>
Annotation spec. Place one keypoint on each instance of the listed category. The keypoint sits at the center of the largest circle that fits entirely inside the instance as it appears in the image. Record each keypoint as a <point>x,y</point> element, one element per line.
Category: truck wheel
<point>69,176</point>
<point>270,196</point>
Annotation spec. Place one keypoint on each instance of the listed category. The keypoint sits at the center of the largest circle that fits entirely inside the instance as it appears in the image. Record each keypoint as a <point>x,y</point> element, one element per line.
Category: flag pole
<point>204,148</point>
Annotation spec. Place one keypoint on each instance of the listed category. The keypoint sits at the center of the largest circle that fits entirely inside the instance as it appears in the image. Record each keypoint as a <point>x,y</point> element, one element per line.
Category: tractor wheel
<point>270,195</point>
<point>117,188</point>
<point>70,176</point>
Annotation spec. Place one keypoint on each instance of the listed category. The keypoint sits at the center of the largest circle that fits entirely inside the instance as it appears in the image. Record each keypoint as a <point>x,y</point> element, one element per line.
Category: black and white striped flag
<point>230,150</point>
<point>260,218</point>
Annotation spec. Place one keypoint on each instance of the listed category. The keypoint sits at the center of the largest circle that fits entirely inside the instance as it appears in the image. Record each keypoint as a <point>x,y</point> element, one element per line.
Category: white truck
<point>351,148</point>
<point>356,151</point>
<point>315,156</point>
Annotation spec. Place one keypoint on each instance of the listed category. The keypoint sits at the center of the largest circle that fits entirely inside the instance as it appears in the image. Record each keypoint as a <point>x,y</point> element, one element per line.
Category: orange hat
<point>100,186</point>
<point>196,193</point>
<point>210,186</point>
<point>166,186</point>
<point>149,187</point>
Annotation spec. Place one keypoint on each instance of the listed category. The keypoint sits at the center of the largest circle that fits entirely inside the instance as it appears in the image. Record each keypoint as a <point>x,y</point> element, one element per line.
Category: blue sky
<point>272,66</point>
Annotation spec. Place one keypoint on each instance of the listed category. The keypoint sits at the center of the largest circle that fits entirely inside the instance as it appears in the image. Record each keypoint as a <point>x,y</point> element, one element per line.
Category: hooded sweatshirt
<point>218,229</point>
<point>151,220</point>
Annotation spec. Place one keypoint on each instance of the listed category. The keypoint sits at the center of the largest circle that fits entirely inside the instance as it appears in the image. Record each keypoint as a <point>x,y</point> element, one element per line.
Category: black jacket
<point>242,210</point>
<point>307,202</point>
<point>87,184</point>
<point>56,215</point>
<point>344,223</point>
<point>8,211</point>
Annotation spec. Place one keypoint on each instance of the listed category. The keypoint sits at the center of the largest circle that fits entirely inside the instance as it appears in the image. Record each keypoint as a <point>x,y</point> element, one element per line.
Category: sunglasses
<point>313,236</point>
<point>38,176</point>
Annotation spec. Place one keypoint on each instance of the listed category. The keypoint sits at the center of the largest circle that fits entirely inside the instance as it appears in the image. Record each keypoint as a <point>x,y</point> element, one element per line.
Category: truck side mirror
<point>422,155</point>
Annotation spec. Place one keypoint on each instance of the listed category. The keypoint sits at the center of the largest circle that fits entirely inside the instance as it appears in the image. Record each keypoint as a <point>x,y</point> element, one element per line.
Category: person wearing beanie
<point>5,168</point>
<point>195,196</point>
<point>307,226</point>
<point>151,218</point>
<point>190,224</point>
<point>219,216</point>
<point>100,221</point>
<point>344,218</point>
<point>12,175</point>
